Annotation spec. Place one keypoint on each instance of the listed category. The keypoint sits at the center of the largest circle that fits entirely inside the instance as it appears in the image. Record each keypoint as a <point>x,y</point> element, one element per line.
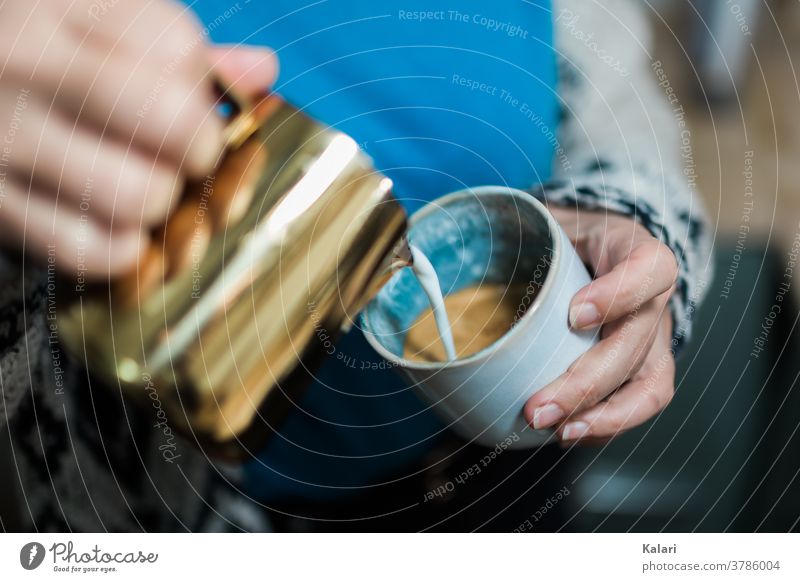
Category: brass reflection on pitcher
<point>216,313</point>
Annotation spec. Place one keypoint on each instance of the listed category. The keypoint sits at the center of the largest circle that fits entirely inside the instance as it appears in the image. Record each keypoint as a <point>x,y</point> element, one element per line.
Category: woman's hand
<point>629,376</point>
<point>106,108</point>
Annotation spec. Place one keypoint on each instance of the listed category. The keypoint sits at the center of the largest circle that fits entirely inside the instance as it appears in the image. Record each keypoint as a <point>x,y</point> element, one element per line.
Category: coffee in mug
<point>508,273</point>
<point>478,317</point>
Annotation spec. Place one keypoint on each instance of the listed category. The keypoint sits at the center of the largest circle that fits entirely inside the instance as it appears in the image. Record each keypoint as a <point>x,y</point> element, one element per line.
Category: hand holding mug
<point>629,376</point>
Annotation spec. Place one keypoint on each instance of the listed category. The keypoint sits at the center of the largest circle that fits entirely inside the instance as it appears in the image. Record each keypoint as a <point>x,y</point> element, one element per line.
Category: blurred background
<point>725,455</point>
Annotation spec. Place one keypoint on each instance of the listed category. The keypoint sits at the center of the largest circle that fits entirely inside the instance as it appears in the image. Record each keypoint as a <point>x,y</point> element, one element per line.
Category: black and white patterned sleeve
<point>24,353</point>
<point>624,144</point>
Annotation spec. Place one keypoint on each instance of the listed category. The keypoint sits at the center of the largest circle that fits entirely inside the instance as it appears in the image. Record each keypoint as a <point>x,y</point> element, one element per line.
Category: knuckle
<point>182,37</point>
<point>582,386</point>
<point>584,393</point>
<point>42,65</point>
<point>579,396</point>
<point>659,396</point>
<point>575,369</point>
<point>74,239</point>
<point>159,194</point>
<point>575,374</point>
<point>13,20</point>
<point>663,261</point>
<point>625,296</point>
<point>17,64</point>
<point>614,424</point>
<point>135,182</point>
<point>170,106</point>
<point>176,114</point>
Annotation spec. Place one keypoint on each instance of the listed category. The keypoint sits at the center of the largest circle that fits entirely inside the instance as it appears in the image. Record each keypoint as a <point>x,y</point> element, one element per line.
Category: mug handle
<point>240,123</point>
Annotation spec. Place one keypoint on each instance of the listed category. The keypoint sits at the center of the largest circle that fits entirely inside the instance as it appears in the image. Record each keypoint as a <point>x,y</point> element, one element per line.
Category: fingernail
<point>583,315</point>
<point>547,415</point>
<point>574,430</point>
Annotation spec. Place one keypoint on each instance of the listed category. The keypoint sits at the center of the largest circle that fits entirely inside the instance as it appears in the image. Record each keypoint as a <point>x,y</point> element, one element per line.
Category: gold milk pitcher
<point>289,238</point>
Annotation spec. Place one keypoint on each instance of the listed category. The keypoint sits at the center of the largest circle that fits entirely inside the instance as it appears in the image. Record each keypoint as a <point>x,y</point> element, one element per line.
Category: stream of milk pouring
<point>426,275</point>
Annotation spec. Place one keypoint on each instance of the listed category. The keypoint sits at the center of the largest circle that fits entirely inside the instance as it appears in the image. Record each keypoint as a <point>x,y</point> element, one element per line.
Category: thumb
<point>247,69</point>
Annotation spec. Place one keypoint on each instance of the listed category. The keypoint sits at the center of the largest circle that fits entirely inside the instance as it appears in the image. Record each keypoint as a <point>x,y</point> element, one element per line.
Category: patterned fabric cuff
<point>676,229</point>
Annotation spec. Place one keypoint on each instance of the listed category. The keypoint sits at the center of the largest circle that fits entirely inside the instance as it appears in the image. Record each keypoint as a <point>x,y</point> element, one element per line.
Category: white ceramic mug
<point>490,234</point>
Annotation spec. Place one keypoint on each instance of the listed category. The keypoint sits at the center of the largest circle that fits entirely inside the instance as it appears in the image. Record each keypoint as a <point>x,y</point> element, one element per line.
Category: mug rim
<point>547,285</point>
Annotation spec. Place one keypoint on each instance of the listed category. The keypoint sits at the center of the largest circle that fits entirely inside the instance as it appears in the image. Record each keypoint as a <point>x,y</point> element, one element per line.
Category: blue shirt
<point>443,95</point>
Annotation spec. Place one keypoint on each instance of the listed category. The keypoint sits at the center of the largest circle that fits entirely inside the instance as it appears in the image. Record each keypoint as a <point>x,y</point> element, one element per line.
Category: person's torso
<point>443,96</point>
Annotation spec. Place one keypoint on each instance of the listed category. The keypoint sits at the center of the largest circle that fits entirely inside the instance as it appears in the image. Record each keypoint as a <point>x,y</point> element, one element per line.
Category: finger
<point>599,371</point>
<point>248,70</point>
<point>165,33</point>
<point>648,270</point>
<point>174,118</point>
<point>166,110</point>
<point>102,177</point>
<point>145,31</point>
<point>650,390</point>
<point>80,245</point>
